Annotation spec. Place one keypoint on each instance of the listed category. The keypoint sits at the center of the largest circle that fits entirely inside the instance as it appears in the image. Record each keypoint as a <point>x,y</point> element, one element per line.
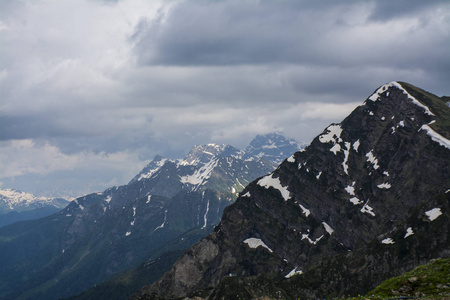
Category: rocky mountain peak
<point>355,193</point>
<point>203,153</point>
<point>150,169</point>
<point>272,146</point>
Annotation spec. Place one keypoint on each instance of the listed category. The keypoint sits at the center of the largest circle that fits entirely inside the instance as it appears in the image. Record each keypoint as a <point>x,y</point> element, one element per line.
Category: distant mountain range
<point>20,206</point>
<point>368,199</point>
<point>167,207</point>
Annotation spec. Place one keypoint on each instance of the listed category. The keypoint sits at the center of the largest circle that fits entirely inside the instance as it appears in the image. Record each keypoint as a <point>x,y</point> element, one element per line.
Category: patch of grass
<point>430,280</point>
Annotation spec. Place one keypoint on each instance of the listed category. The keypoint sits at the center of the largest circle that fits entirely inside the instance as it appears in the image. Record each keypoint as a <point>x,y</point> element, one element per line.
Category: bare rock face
<point>189,270</point>
<point>360,203</point>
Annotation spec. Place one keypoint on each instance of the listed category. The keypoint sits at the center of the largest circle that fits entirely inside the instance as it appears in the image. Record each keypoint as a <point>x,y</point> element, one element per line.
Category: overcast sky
<point>90,91</point>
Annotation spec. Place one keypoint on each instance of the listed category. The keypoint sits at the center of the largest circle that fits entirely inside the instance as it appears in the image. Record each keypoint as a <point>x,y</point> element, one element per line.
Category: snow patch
<point>108,199</point>
<point>305,211</point>
<point>163,223</point>
<point>318,176</point>
<point>246,195</point>
<point>201,175</point>
<point>333,134</point>
<point>376,96</point>
<point>355,201</point>
<point>269,181</point>
<point>134,214</point>
<point>433,213</point>
<point>384,186</point>
<point>436,136</point>
<point>328,228</point>
<point>356,145</point>
<point>206,213</point>
<point>294,272</point>
<point>291,159</point>
<point>128,233</point>
<point>346,153</point>
<point>255,243</point>
<point>409,232</point>
<point>148,199</point>
<point>367,209</point>
<point>151,172</point>
<point>372,159</point>
<point>336,148</point>
<point>351,189</point>
<point>306,236</point>
<point>386,173</point>
<point>388,241</point>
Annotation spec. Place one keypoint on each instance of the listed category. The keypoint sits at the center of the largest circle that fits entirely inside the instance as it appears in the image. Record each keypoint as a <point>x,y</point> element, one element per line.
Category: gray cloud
<point>386,10</point>
<point>307,33</point>
<point>165,75</point>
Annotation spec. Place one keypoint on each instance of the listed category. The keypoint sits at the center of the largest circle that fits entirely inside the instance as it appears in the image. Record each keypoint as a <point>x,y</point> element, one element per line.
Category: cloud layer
<point>114,83</point>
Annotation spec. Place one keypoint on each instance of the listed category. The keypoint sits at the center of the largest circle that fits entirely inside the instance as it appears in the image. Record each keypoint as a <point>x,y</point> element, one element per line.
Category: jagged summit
<point>213,164</point>
<point>148,171</point>
<point>203,153</point>
<point>272,146</point>
<point>356,206</point>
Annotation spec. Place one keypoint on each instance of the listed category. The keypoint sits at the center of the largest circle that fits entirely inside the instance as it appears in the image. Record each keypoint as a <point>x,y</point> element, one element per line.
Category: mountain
<point>167,207</point>
<point>368,199</point>
<point>273,146</point>
<point>20,206</point>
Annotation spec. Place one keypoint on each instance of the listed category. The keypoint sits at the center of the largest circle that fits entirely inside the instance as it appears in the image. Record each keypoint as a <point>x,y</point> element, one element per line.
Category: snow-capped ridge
<point>20,201</point>
<point>376,95</point>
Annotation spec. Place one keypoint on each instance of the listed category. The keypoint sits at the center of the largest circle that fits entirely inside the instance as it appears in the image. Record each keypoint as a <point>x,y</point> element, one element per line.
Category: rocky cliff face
<point>368,192</point>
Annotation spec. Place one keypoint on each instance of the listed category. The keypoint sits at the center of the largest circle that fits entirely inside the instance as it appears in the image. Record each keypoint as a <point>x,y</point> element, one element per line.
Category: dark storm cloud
<point>222,33</point>
<point>342,33</point>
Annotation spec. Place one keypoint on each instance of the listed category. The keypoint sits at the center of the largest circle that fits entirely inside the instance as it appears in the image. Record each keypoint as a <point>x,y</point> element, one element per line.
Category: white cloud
<point>24,157</point>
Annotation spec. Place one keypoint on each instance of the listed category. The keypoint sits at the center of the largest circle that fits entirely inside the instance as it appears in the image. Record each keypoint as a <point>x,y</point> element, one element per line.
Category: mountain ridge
<point>17,206</point>
<point>351,186</point>
<point>168,206</point>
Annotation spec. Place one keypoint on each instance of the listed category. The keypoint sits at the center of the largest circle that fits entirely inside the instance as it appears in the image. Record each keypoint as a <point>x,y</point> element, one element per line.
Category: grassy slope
<point>430,280</point>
